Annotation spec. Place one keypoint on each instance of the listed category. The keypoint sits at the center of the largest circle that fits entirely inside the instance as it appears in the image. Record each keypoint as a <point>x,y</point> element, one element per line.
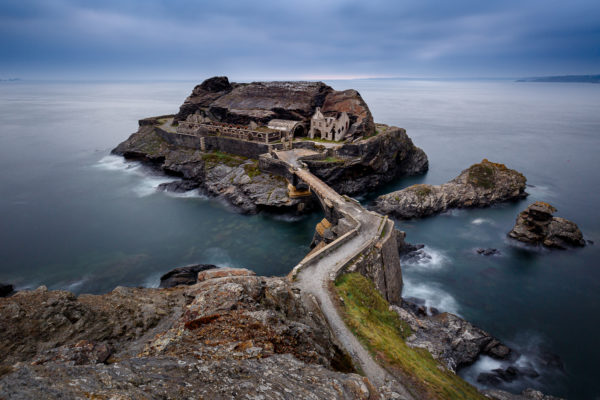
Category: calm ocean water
<point>73,217</point>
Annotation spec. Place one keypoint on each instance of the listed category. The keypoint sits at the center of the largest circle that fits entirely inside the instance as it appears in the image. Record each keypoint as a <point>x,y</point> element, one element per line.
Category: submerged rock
<point>480,185</point>
<point>536,225</point>
<point>187,275</point>
<point>488,252</point>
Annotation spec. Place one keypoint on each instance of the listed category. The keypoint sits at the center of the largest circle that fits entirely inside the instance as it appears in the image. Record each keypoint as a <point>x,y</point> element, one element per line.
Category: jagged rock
<point>536,225</point>
<point>487,252</point>
<point>480,185</point>
<point>449,338</point>
<point>276,377</point>
<point>180,186</point>
<point>232,334</point>
<point>527,394</point>
<point>223,273</point>
<point>187,275</point>
<point>235,179</point>
<point>369,163</point>
<point>80,353</point>
<point>6,289</point>
<point>259,102</point>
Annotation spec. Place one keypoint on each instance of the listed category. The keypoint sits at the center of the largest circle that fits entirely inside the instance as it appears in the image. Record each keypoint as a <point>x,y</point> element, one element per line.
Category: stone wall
<point>380,263</point>
<point>217,143</point>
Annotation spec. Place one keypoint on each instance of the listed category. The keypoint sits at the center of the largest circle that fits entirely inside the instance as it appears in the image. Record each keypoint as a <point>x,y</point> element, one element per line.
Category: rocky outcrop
<point>6,289</point>
<point>536,225</point>
<point>480,185</point>
<point>232,334</point>
<point>259,102</point>
<point>187,275</point>
<point>357,168</point>
<point>233,178</point>
<point>449,338</point>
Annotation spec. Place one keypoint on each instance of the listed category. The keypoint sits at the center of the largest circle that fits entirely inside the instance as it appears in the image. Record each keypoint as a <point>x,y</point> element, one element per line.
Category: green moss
<point>367,314</point>
<point>482,175</point>
<point>218,157</point>
<point>421,190</point>
<point>252,169</point>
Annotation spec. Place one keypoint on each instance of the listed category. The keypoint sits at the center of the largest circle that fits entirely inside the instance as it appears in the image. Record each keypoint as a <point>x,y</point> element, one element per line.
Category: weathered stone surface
<point>449,339</point>
<point>232,334</point>
<point>367,164</point>
<point>276,377</point>
<point>223,272</point>
<point>480,185</point>
<point>536,225</point>
<point>187,275</point>
<point>32,322</point>
<point>527,394</point>
<point>259,102</point>
<point>487,252</point>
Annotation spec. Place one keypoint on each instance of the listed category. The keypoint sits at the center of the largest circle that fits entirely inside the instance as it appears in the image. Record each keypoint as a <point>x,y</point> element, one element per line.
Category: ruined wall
<point>380,263</point>
<point>218,143</point>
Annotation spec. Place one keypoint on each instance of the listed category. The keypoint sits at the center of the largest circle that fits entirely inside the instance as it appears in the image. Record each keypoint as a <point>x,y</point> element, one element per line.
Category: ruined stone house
<point>329,128</point>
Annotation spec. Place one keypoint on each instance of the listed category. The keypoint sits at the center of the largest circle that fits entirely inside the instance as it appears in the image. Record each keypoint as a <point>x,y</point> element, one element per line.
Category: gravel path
<point>314,279</point>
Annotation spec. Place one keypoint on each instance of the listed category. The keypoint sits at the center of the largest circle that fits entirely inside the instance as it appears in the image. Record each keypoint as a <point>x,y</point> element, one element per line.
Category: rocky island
<point>536,225</point>
<point>215,140</point>
<point>480,185</point>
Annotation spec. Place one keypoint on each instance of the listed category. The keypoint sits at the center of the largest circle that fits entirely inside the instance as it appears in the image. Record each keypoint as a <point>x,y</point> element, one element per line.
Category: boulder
<point>536,225</point>
<point>6,289</point>
<point>187,275</point>
<point>488,252</point>
<point>480,185</point>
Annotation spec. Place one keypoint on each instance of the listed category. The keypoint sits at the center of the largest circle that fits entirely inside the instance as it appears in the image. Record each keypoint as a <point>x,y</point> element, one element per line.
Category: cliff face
<point>480,185</point>
<point>365,165</point>
<point>241,103</point>
<point>230,335</point>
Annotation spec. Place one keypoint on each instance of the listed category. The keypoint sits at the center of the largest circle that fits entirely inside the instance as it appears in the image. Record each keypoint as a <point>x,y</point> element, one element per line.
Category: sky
<point>308,39</point>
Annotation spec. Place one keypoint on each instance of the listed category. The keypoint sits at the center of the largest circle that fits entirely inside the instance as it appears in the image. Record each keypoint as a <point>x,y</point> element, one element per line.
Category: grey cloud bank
<point>70,39</point>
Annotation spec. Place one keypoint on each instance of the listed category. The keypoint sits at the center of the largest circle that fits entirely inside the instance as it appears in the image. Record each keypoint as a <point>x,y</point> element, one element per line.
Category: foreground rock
<point>527,394</point>
<point>187,275</point>
<point>449,339</point>
<point>480,185</point>
<point>231,335</point>
<point>536,225</point>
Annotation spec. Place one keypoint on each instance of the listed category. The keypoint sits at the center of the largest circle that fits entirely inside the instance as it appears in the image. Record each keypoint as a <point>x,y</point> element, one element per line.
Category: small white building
<point>329,128</point>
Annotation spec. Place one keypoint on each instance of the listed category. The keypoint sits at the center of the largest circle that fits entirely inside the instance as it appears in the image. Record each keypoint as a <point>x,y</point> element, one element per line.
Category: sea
<point>74,217</point>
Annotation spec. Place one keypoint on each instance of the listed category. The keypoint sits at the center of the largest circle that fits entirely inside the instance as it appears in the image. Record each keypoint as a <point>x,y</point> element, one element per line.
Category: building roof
<point>283,124</point>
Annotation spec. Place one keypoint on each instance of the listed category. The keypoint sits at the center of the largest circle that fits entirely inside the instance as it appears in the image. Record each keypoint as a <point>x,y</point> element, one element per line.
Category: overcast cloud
<point>184,39</point>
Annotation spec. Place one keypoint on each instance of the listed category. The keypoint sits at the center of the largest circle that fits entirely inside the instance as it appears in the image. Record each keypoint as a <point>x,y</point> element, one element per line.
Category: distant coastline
<point>564,78</point>
<point>11,80</point>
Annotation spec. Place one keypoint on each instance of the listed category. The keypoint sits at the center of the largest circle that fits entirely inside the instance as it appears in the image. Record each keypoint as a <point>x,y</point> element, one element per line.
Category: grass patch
<point>421,190</point>
<point>252,169</point>
<point>218,157</point>
<point>367,314</point>
<point>307,139</point>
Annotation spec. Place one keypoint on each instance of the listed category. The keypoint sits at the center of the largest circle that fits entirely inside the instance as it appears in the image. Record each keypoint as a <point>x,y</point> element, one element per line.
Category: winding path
<point>313,275</point>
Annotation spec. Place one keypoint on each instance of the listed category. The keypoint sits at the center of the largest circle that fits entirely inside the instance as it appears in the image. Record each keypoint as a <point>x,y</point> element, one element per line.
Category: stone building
<point>329,128</point>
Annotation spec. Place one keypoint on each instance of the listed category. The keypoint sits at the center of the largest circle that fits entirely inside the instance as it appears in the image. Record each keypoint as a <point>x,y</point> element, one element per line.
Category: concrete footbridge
<point>363,238</point>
